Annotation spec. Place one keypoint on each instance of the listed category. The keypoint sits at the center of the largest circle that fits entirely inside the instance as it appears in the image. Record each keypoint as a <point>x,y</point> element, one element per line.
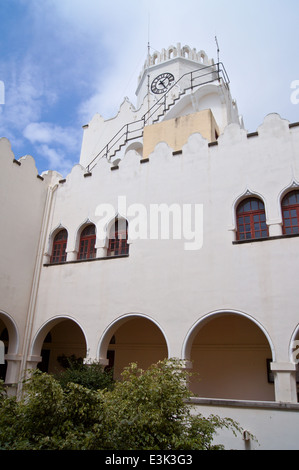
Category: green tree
<point>149,410</point>
<point>146,410</point>
<point>91,375</point>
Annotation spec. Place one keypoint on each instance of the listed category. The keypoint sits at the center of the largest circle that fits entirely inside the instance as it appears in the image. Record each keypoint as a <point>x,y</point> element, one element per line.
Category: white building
<point>89,267</point>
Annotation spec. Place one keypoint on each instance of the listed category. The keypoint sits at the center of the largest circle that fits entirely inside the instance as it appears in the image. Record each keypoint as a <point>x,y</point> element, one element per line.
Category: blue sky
<point>62,61</point>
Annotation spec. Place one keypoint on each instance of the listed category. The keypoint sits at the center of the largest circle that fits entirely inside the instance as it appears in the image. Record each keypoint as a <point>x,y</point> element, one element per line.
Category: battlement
<point>174,52</point>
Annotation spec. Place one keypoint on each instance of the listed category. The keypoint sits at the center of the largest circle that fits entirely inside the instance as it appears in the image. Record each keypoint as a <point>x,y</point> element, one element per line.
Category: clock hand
<point>163,82</point>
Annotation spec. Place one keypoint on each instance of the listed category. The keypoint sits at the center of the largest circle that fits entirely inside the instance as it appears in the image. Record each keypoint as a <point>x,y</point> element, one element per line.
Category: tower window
<point>59,247</point>
<point>251,220</point>
<point>87,248</point>
<point>118,237</point>
<point>290,213</point>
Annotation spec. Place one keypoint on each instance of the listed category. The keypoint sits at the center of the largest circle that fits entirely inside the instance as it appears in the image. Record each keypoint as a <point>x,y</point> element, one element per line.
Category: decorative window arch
<point>251,219</point>
<point>87,249</point>
<point>290,212</point>
<point>186,51</point>
<point>59,247</point>
<point>118,238</point>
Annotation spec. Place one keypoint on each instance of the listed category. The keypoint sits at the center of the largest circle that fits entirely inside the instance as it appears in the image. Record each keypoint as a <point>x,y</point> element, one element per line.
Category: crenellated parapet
<point>174,52</point>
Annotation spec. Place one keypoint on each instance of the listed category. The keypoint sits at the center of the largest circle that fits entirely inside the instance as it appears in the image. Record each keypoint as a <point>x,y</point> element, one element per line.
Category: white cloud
<point>48,133</point>
<point>54,143</point>
<point>56,159</point>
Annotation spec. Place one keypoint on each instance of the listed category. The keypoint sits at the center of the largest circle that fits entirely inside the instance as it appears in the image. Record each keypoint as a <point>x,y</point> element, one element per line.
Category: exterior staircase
<point>186,84</point>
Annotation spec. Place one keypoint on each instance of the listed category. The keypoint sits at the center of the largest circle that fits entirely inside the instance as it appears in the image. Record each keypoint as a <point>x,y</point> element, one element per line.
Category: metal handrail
<point>110,148</point>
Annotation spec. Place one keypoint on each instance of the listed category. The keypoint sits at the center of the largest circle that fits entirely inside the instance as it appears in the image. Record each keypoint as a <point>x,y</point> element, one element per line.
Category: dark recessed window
<point>59,247</point>
<point>87,248</point>
<point>118,237</point>
<point>251,220</point>
<point>290,213</point>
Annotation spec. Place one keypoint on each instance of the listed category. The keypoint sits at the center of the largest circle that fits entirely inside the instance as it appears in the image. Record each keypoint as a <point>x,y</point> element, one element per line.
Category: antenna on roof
<point>217,49</point>
<point>148,62</point>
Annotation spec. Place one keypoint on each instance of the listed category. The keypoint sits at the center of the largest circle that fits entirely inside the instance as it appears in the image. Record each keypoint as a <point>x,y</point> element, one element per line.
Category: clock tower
<point>162,69</point>
<point>174,83</point>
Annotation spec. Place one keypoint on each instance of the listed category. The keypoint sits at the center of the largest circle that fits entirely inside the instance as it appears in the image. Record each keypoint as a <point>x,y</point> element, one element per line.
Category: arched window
<point>118,237</point>
<point>87,248</point>
<point>290,213</point>
<point>251,219</point>
<point>59,247</point>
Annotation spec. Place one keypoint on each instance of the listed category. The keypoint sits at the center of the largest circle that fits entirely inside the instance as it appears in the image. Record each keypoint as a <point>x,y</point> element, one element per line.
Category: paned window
<point>251,220</point>
<point>118,237</point>
<point>87,248</point>
<point>59,247</point>
<point>290,213</point>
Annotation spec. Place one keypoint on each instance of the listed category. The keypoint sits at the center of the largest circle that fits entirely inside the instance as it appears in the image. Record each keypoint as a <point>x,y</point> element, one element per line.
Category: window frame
<point>118,245</point>
<point>254,217</point>
<point>87,249</point>
<point>59,245</point>
<point>288,208</point>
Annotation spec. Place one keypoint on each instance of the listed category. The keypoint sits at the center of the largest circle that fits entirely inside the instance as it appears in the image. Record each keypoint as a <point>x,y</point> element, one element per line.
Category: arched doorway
<point>294,357</point>
<point>231,355</point>
<point>4,341</point>
<point>133,338</point>
<point>8,337</point>
<point>59,338</point>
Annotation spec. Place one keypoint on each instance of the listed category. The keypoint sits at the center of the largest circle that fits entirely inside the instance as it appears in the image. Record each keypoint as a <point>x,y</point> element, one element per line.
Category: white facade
<point>228,307</point>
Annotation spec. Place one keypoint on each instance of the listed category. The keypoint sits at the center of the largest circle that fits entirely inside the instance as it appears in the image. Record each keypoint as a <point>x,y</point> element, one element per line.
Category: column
<point>285,381</point>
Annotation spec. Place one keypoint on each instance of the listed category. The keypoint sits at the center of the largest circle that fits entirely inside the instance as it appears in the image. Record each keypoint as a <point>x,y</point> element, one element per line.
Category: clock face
<point>162,82</point>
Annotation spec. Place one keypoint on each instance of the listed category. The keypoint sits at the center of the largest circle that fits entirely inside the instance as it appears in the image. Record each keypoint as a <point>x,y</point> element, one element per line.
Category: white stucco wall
<point>160,279</point>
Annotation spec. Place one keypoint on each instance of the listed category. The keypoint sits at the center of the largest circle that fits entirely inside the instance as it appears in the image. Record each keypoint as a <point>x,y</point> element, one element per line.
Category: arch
<point>155,58</point>
<point>207,317</point>
<point>192,103</point>
<point>9,337</point>
<point>171,52</point>
<point>248,193</point>
<point>292,186</point>
<point>52,236</point>
<point>230,350</point>
<point>290,212</point>
<point>137,146</point>
<point>64,344</point>
<point>251,219</point>
<point>13,333</point>
<point>186,51</point>
<point>202,57</point>
<point>294,346</point>
<point>117,237</point>
<point>86,240</point>
<point>59,245</point>
<point>136,345</point>
<point>80,229</point>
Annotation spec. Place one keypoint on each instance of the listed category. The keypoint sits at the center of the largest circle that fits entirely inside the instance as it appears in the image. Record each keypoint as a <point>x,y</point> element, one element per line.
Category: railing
<point>134,130</point>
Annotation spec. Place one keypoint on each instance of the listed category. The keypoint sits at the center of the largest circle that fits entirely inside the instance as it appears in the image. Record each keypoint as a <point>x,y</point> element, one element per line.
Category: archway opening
<point>231,356</point>
<point>60,340</point>
<point>295,358</point>
<point>134,339</point>
<point>9,338</point>
<point>4,337</point>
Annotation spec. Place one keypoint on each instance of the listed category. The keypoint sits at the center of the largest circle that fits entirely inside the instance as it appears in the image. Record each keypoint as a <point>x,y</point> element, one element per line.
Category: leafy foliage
<point>91,375</point>
<point>146,410</point>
